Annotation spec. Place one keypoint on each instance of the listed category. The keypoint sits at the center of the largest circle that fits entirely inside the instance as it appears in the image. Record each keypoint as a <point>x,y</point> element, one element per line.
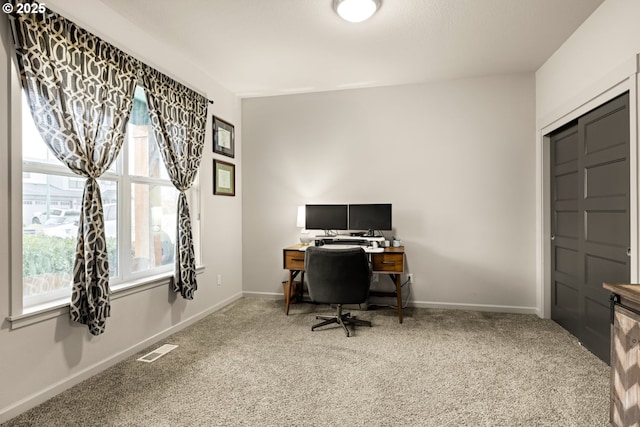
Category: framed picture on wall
<point>224,178</point>
<point>223,137</point>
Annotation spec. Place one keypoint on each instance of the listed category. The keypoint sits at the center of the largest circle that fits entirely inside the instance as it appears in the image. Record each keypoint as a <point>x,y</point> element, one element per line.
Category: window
<point>139,203</point>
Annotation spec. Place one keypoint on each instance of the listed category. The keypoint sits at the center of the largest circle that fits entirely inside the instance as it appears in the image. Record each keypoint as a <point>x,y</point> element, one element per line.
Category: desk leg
<point>287,289</point>
<point>287,293</point>
<point>397,279</point>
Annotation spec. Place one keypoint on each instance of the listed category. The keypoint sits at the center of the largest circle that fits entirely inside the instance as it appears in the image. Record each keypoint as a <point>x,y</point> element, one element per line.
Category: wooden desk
<point>390,262</point>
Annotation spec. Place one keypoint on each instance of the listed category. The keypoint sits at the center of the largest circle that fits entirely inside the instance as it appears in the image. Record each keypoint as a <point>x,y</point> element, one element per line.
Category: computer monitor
<point>370,217</point>
<point>326,217</point>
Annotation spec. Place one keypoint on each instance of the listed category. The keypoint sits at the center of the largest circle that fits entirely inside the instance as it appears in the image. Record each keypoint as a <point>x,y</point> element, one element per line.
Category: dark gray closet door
<point>590,220</point>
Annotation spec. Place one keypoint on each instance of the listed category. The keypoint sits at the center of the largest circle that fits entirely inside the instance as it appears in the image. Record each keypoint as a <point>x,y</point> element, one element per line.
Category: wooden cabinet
<point>625,355</point>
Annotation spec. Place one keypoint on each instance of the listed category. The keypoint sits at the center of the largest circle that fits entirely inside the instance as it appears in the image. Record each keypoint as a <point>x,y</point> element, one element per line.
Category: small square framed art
<point>224,178</point>
<point>223,137</point>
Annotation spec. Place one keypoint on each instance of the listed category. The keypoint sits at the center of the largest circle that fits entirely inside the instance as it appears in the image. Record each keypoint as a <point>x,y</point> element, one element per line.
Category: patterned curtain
<point>178,117</point>
<point>80,92</point>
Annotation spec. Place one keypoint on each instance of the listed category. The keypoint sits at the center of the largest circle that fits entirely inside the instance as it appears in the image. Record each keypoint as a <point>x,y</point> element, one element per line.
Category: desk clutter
<point>369,244</point>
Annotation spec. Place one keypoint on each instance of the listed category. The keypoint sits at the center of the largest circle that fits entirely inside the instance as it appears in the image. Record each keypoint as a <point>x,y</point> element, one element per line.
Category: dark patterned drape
<point>80,92</point>
<point>178,117</point>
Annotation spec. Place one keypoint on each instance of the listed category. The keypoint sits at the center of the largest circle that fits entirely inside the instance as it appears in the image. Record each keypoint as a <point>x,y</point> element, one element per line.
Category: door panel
<point>597,318</point>
<point>565,224</point>
<point>566,186</point>
<point>565,149</point>
<point>602,179</point>
<point>566,296</point>
<point>590,220</point>
<point>607,228</point>
<point>567,262</point>
<point>605,128</point>
<point>599,269</point>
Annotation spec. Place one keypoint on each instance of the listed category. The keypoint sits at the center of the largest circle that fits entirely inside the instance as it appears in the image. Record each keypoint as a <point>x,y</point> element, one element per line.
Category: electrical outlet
<point>410,278</point>
<point>219,279</point>
<point>375,278</point>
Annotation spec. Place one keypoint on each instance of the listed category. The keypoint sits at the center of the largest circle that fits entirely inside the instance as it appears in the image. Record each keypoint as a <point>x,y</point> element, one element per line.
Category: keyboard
<point>367,249</point>
<point>339,246</point>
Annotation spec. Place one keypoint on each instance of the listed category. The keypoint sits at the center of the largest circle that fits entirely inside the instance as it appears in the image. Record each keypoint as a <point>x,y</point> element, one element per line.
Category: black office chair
<point>338,276</point>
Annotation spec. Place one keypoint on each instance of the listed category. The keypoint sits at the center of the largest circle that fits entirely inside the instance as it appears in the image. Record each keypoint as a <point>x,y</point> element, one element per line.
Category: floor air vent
<point>157,353</point>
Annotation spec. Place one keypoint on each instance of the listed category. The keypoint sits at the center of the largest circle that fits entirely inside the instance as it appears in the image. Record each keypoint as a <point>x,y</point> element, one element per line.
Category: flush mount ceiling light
<point>356,10</point>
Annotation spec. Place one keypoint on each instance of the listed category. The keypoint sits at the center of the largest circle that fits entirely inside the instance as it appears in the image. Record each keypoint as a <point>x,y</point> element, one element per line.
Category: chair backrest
<point>337,276</point>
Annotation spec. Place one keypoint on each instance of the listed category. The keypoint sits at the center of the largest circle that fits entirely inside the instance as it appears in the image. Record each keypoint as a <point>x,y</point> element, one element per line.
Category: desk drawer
<point>293,260</point>
<point>388,262</point>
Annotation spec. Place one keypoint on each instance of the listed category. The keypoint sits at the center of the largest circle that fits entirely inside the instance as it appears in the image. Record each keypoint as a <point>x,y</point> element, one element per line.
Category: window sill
<point>51,310</point>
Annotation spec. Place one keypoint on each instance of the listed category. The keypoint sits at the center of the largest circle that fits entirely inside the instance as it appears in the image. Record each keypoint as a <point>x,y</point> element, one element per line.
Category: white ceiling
<point>271,47</point>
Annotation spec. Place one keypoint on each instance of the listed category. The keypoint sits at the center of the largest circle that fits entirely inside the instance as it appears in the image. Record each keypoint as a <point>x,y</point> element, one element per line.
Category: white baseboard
<point>475,307</point>
<point>430,304</point>
<point>266,295</point>
<point>57,388</point>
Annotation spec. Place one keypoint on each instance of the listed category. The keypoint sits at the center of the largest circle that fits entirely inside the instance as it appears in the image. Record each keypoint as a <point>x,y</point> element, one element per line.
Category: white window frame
<point>120,286</point>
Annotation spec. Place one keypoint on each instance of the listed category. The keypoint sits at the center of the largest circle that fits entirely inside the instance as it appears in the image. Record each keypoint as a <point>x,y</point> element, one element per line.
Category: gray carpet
<point>251,365</point>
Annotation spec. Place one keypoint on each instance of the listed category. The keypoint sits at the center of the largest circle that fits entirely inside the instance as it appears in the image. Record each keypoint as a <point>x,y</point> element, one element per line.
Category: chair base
<point>342,319</point>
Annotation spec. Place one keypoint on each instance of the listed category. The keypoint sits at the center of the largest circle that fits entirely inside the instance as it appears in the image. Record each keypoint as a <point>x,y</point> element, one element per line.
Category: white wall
<point>40,360</point>
<point>455,158</point>
<point>607,39</point>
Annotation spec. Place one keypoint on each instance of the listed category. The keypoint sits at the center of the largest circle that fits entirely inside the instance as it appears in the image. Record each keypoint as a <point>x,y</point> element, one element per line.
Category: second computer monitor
<point>370,217</point>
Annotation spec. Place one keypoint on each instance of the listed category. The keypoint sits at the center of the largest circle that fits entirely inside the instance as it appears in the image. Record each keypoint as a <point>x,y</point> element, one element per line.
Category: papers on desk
<point>367,249</point>
<point>371,250</point>
<point>346,237</point>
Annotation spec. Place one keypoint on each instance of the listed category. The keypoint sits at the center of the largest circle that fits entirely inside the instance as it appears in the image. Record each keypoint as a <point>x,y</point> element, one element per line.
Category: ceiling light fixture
<point>356,10</point>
